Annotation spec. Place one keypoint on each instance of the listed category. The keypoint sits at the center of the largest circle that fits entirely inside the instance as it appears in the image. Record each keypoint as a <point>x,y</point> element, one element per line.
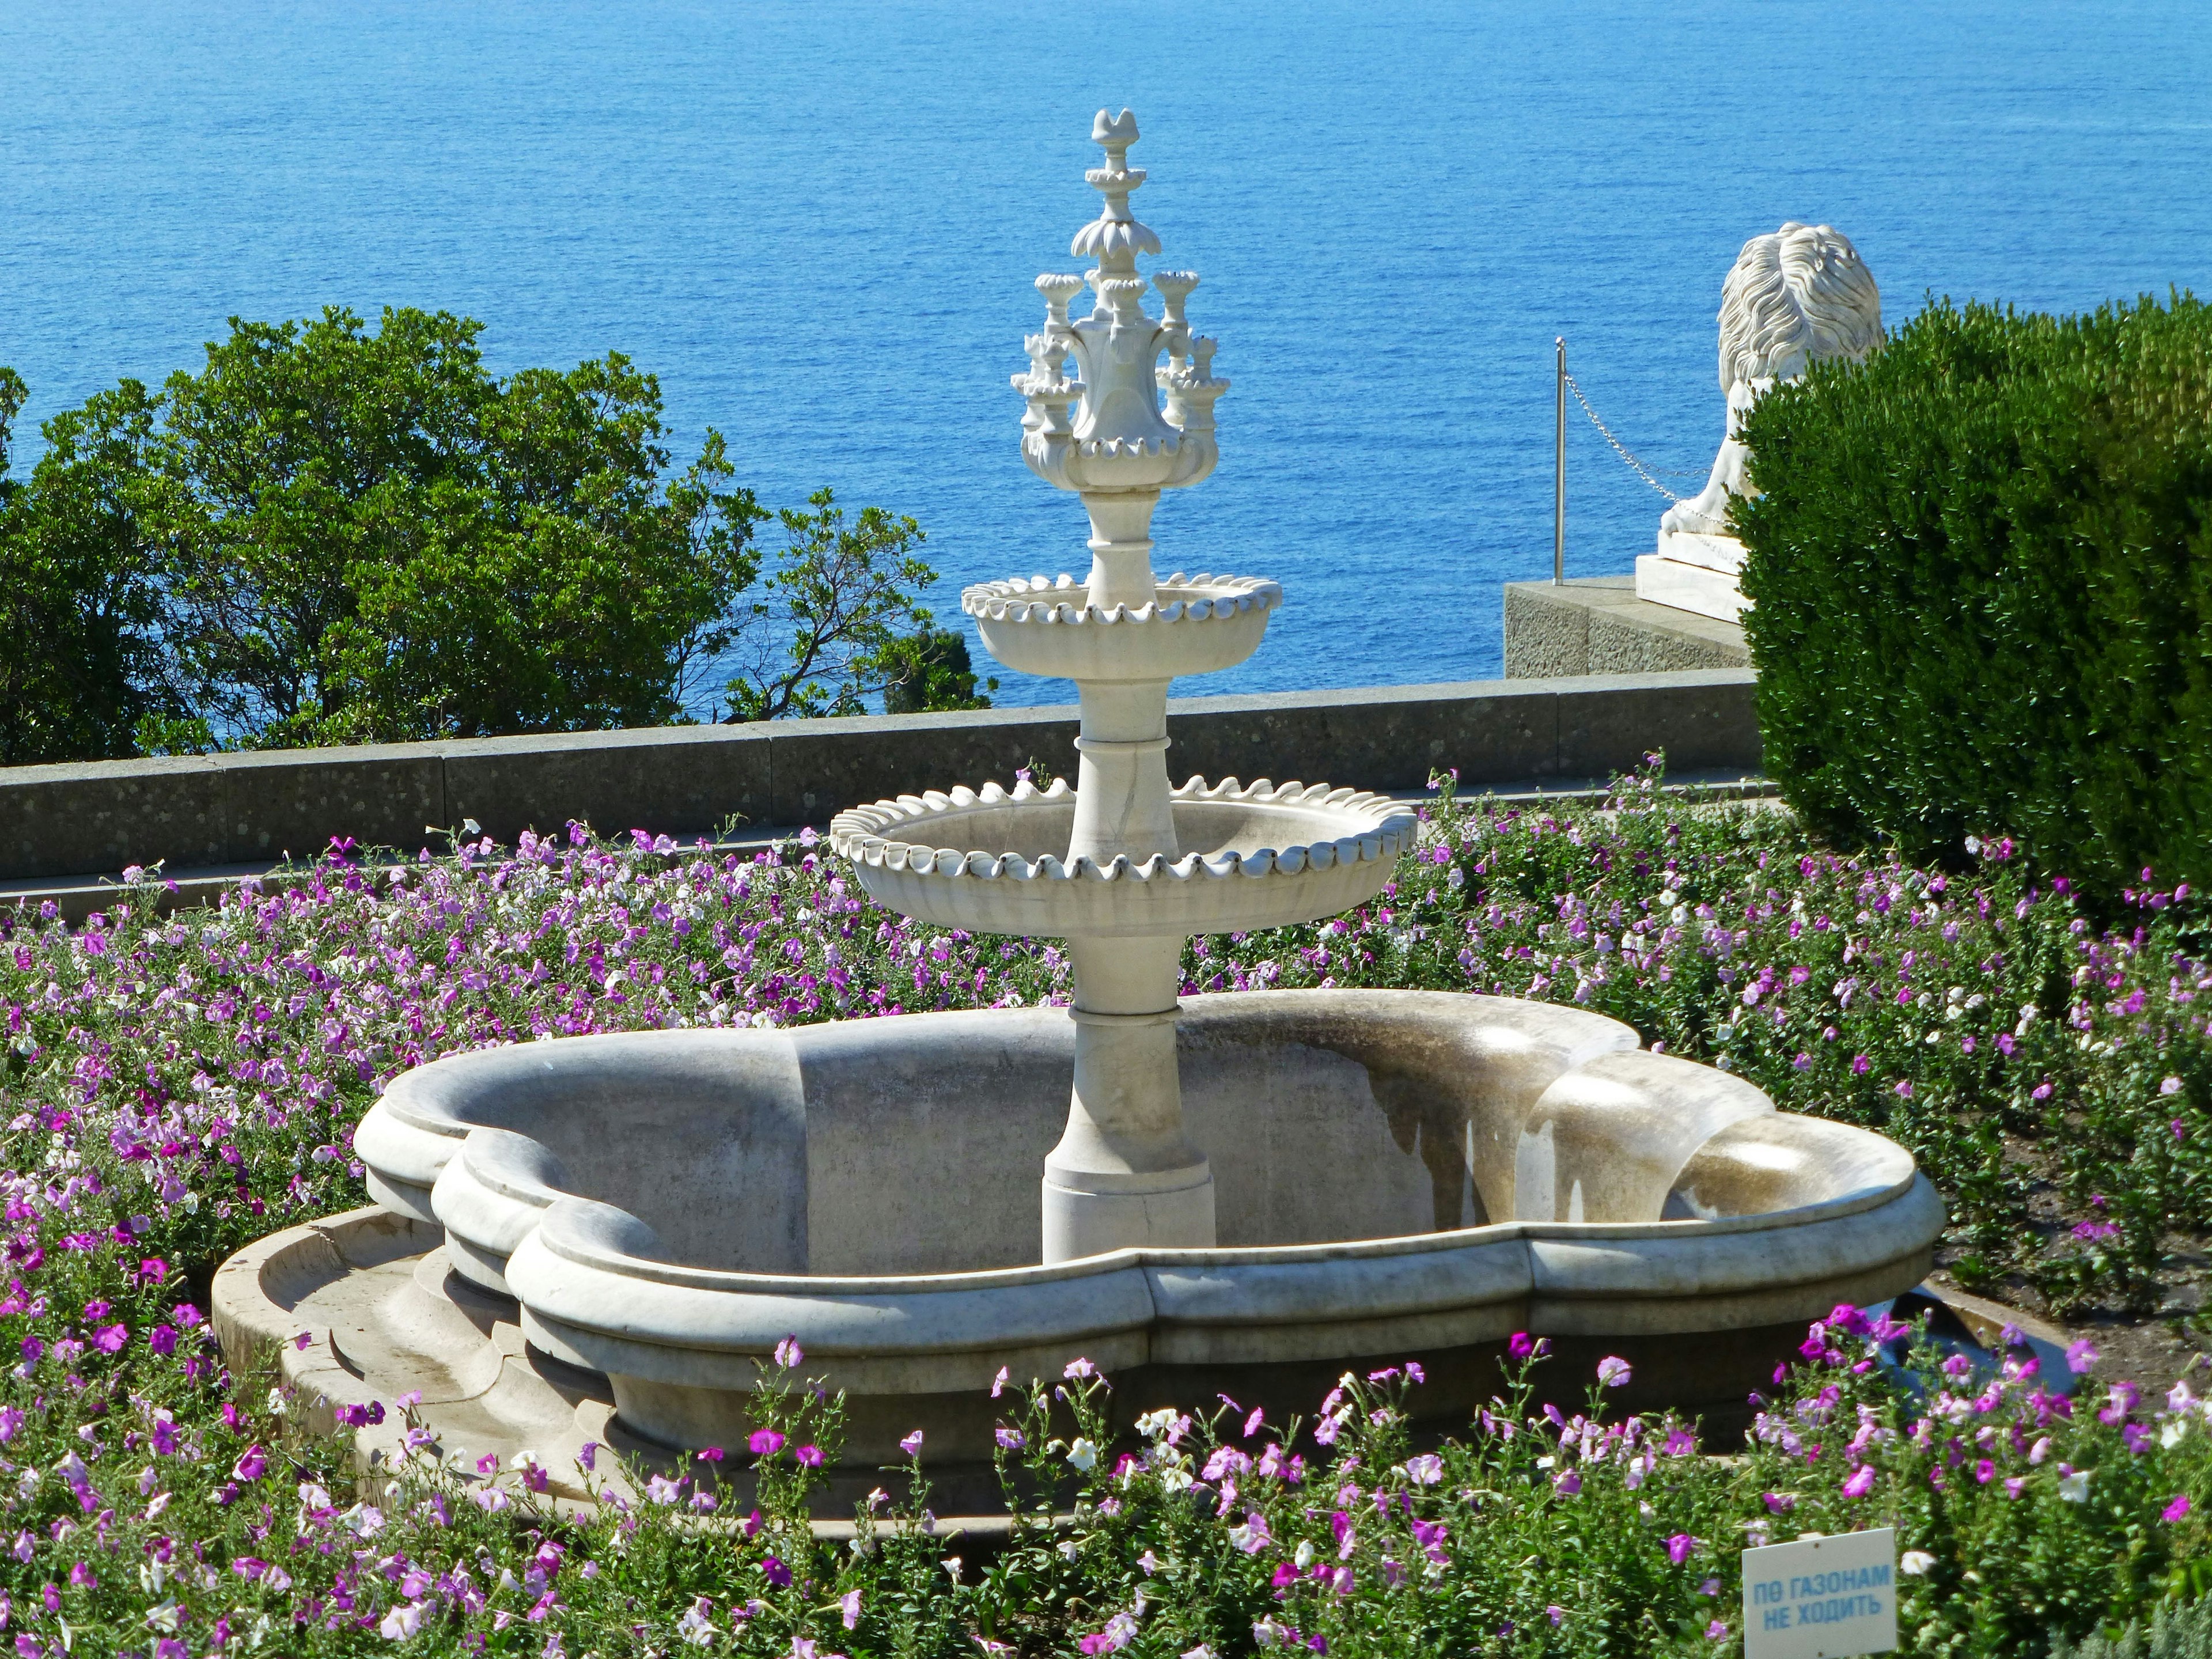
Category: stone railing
<point>198,812</point>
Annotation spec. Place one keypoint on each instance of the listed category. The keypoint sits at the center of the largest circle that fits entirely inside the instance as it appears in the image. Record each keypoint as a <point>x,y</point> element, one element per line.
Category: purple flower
<point>912,1444</point>
<point>1612,1371</point>
<point>2080,1356</point>
<point>2176,1510</point>
<point>808,1457</point>
<point>1012,1439</point>
<point>788,1353</point>
<point>765,1443</point>
<point>775,1572</point>
<point>1680,1547</point>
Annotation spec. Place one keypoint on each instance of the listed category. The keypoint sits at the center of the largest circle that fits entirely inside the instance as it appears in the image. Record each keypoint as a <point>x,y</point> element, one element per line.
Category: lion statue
<point>1797,297</point>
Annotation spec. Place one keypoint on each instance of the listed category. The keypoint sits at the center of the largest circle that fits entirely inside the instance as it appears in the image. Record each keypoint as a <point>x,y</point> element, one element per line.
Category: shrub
<point>1981,573</point>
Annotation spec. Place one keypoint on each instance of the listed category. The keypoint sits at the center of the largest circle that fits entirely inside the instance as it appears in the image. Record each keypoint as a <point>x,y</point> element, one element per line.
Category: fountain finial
<point>1118,448</point>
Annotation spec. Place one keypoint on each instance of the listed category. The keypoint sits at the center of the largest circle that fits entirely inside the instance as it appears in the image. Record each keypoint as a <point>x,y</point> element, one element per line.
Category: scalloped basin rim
<point>801,1285</point>
<point>1375,827</point>
<point>1066,601</point>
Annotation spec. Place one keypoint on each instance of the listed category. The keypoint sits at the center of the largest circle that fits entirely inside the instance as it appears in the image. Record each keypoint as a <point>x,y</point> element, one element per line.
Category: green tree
<point>825,635</point>
<point>333,533</point>
<point>79,603</point>
<point>370,537</point>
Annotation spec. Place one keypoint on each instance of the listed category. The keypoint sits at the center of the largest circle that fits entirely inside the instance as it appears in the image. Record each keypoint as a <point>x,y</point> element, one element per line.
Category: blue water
<point>818,223</point>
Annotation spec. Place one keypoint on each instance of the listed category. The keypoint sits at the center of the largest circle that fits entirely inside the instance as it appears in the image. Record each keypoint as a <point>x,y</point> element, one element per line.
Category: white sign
<point>1821,1598</point>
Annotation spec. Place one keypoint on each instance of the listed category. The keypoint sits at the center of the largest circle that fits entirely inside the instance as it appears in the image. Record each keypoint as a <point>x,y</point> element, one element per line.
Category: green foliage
<point>337,534</point>
<point>823,636</point>
<point>1981,571</point>
<point>79,604</point>
<point>928,671</point>
<point>371,537</point>
<point>2181,1632</point>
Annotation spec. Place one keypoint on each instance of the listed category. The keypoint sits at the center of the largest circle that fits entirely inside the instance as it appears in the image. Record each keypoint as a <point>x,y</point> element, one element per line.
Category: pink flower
<point>1612,1371</point>
<point>912,1444</point>
<point>848,1608</point>
<point>998,1384</point>
<point>808,1457</point>
<point>1861,1483</point>
<point>788,1353</point>
<point>2177,1510</point>
<point>1680,1547</point>
<point>765,1443</point>
<point>2080,1356</point>
<point>1079,1368</point>
<point>110,1338</point>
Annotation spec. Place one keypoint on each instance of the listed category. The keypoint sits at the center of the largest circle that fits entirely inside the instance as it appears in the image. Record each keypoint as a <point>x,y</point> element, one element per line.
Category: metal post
<point>1560,475</point>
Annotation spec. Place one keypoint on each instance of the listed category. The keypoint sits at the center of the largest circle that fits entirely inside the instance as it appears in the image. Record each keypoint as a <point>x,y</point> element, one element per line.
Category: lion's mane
<point>1798,296</point>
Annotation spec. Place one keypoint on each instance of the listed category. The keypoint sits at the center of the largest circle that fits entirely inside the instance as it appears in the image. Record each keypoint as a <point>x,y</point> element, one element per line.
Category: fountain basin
<point>1399,1173</point>
<point>1261,855</point>
<point>1194,625</point>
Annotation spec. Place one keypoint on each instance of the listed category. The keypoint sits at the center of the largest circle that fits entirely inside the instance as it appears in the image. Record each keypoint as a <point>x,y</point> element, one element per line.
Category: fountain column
<point>1124,1173</point>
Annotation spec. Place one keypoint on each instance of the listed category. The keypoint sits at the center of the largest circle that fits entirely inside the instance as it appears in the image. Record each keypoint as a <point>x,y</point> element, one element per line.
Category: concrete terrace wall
<point>86,820</point>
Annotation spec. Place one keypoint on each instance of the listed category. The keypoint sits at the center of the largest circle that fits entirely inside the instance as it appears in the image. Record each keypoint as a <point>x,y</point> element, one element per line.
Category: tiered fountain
<point>1123,867</point>
<point>599,1238</point>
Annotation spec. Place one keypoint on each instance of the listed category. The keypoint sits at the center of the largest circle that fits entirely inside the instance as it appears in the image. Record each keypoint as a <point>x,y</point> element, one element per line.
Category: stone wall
<point>224,810</point>
<point>1596,625</point>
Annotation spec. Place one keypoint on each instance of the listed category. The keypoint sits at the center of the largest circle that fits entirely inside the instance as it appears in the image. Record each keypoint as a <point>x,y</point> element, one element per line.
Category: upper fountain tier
<point>1188,625</point>
<point>1121,440</point>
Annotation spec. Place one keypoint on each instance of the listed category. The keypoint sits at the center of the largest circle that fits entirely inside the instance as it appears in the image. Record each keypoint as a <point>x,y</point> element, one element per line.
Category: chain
<point>1621,449</point>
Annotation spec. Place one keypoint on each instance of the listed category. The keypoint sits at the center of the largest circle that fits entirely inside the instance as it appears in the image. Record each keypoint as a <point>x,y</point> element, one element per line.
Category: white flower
<point>1302,1557</point>
<point>694,1627</point>
<point>2170,1435</point>
<point>276,1403</point>
<point>1083,1457</point>
<point>2074,1487</point>
<point>1915,1562</point>
<point>401,1623</point>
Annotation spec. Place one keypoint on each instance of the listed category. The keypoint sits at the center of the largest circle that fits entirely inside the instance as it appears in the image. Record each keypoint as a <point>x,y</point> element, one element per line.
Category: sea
<point>817,223</point>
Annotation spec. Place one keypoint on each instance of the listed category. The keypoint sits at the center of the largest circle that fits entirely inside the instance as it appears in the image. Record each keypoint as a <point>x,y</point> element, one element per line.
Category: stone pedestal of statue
<point>1693,573</point>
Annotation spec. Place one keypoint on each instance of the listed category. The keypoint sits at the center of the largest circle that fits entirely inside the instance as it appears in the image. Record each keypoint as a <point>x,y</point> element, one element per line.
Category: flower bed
<point>176,1085</point>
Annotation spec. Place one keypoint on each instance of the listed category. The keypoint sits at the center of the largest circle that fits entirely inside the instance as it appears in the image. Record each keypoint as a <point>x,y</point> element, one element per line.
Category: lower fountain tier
<point>1251,855</point>
<point>1399,1173</point>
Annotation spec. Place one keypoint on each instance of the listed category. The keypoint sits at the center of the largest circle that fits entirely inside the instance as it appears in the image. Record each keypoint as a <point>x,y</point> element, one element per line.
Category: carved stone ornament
<point>1799,296</point>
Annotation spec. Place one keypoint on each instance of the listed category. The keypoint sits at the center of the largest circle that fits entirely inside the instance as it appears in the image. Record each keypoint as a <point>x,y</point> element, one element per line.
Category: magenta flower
<point>2080,1356</point>
<point>808,1457</point>
<point>1861,1483</point>
<point>2176,1510</point>
<point>1680,1547</point>
<point>765,1443</point>
<point>912,1444</point>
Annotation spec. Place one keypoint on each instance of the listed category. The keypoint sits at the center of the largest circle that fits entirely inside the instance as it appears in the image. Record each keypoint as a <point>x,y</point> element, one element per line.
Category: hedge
<point>1981,577</point>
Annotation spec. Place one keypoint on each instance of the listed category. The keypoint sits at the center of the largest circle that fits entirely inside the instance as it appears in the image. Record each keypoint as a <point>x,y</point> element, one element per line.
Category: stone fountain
<point>599,1238</point>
